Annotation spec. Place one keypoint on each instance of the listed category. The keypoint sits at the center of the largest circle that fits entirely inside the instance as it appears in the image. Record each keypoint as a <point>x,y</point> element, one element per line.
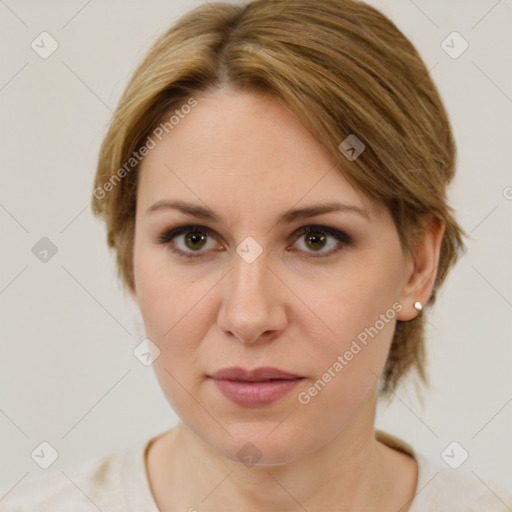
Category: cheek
<point>152,294</point>
<point>173,304</point>
<point>358,308</point>
<point>355,296</point>
<point>177,316</point>
<point>159,293</point>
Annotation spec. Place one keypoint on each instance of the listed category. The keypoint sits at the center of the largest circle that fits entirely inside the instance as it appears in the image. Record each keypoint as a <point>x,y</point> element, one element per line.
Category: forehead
<point>245,147</point>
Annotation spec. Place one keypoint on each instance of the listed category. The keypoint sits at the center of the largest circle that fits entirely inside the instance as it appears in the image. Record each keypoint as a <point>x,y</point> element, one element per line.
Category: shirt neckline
<point>138,494</point>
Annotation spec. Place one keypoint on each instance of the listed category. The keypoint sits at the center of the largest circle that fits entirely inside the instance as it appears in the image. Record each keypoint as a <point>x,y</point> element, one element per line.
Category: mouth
<point>254,388</point>
<point>261,374</point>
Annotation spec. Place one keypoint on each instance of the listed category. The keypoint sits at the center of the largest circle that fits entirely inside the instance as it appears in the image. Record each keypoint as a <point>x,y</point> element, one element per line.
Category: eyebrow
<point>289,216</point>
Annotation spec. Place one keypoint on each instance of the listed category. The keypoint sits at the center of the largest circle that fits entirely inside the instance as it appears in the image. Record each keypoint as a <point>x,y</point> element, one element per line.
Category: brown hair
<point>342,68</point>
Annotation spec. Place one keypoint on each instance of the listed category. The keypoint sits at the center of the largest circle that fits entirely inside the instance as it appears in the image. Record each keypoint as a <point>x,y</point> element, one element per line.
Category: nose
<point>252,309</point>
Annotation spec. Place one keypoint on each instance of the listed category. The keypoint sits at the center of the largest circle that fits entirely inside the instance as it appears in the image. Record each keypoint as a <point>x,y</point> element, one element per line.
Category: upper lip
<point>262,373</point>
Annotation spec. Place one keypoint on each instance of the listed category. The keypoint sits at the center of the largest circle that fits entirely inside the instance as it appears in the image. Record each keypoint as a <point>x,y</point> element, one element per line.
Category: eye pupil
<point>316,238</point>
<point>195,238</point>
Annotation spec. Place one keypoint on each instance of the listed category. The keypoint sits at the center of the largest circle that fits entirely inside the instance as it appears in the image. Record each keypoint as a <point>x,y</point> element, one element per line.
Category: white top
<point>119,483</point>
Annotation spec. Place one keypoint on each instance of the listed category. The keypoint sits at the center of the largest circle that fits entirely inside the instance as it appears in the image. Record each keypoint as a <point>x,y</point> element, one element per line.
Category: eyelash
<point>342,238</point>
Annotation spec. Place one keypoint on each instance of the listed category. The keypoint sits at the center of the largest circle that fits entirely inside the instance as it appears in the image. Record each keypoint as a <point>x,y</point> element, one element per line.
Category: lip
<point>254,388</point>
<point>262,373</point>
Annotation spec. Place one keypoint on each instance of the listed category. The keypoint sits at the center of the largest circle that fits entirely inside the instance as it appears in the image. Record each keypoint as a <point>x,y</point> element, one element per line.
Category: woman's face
<point>252,290</point>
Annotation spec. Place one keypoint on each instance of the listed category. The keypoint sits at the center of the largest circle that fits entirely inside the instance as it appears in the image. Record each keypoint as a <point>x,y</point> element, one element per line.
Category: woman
<point>274,186</point>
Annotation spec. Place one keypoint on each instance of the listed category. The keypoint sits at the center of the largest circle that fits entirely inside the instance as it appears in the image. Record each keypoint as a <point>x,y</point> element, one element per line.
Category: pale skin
<point>247,158</point>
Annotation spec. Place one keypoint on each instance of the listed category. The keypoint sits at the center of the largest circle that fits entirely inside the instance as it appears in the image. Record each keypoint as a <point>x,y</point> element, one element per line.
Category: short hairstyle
<point>342,68</point>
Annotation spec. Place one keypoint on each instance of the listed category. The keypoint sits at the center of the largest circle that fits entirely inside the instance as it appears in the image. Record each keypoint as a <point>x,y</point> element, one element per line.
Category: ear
<point>421,269</point>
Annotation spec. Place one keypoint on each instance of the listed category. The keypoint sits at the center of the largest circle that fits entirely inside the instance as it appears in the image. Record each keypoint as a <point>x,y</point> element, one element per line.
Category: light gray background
<point>68,373</point>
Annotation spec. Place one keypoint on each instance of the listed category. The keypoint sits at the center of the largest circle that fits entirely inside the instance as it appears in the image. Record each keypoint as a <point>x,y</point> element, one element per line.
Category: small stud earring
<point>418,306</point>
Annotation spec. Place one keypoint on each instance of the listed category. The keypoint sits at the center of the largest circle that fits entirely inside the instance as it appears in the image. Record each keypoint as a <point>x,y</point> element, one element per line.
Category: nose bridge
<point>250,306</point>
<point>250,279</point>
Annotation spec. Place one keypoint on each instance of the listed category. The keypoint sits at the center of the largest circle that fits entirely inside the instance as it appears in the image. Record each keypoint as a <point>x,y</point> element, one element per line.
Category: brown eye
<point>318,241</point>
<point>195,240</point>
<point>189,241</point>
<point>315,240</point>
<point>192,241</point>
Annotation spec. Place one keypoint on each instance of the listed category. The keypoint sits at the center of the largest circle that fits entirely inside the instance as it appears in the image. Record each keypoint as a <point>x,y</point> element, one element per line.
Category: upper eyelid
<point>300,231</point>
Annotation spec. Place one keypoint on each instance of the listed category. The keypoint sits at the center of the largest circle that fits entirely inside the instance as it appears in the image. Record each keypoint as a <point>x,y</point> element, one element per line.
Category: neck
<point>350,472</point>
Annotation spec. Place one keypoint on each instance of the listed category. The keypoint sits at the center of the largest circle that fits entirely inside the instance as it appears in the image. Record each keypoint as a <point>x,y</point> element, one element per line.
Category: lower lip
<point>255,394</point>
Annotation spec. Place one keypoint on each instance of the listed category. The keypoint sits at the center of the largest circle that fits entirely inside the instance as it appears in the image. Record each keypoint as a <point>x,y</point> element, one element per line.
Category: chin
<point>252,445</point>
<point>262,453</point>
